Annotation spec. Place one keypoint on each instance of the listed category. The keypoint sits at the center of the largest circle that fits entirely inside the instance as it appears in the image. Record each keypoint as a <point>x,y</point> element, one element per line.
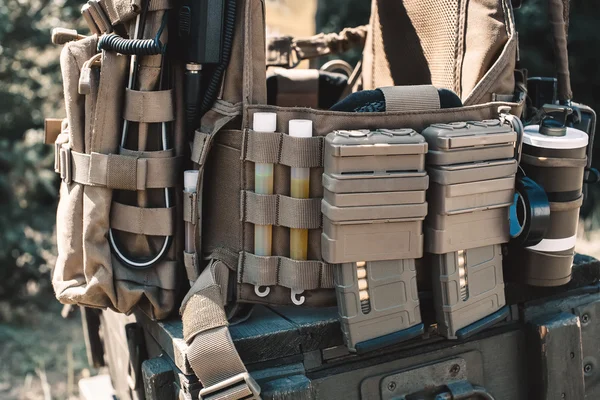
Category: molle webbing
<point>279,148</point>
<point>279,210</point>
<point>149,107</point>
<point>128,171</point>
<point>283,271</point>
<point>142,221</point>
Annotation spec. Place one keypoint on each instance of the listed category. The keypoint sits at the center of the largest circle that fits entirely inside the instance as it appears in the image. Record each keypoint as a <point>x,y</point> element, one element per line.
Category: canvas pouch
<point>109,186</point>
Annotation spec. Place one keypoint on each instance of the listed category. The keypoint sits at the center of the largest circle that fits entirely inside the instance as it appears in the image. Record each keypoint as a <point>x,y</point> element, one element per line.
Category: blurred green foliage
<point>30,89</point>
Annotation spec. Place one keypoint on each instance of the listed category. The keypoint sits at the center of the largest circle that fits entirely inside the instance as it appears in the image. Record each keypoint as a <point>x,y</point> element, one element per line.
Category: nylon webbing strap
<point>191,266</point>
<point>211,352</point>
<point>213,357</point>
<point>209,312</point>
<point>279,210</point>
<point>149,106</point>
<point>301,152</point>
<point>199,147</point>
<point>123,171</point>
<point>553,162</point>
<point>279,148</point>
<point>227,256</point>
<point>190,207</point>
<point>293,274</point>
<point>142,221</point>
<point>411,98</point>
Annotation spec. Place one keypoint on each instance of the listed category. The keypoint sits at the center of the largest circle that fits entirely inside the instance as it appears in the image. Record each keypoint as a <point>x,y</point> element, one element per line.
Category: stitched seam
<point>279,147</point>
<point>321,274</point>
<point>278,271</point>
<point>277,200</point>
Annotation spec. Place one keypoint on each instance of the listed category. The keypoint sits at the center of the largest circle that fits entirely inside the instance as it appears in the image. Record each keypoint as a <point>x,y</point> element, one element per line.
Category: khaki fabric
<point>409,43</point>
<point>86,272</point>
<point>411,98</point>
<point>468,47</point>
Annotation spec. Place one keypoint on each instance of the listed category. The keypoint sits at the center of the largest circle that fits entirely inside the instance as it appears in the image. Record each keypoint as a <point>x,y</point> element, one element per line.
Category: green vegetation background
<point>30,90</point>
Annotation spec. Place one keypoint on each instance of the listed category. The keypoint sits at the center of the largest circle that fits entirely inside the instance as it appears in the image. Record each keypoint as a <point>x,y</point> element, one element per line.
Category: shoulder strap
<point>211,352</point>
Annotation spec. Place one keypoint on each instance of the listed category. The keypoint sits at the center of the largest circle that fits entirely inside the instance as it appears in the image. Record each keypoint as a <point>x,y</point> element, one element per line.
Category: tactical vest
<point>113,193</point>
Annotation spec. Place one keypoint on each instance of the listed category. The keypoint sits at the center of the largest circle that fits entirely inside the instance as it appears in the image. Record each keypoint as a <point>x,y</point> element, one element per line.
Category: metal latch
<point>463,390</point>
<point>241,386</point>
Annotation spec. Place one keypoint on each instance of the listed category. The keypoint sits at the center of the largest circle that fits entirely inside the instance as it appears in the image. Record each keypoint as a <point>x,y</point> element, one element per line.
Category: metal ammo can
<point>554,156</point>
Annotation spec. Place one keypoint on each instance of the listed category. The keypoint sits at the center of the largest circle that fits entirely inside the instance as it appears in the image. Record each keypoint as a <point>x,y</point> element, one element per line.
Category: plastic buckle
<point>241,386</point>
<point>64,164</point>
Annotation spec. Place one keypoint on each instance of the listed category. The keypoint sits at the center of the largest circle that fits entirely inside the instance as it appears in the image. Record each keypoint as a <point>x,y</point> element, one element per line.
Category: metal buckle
<point>241,386</point>
<point>64,164</point>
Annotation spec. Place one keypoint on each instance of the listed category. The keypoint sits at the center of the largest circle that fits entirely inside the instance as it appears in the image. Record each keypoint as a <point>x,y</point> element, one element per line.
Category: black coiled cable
<point>212,89</point>
<point>137,47</point>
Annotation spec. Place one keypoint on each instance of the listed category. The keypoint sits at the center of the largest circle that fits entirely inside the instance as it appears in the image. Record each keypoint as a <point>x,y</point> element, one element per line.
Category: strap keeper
<point>62,139</point>
<point>241,386</point>
<point>190,261</point>
<point>64,164</point>
<point>190,207</point>
<point>200,147</point>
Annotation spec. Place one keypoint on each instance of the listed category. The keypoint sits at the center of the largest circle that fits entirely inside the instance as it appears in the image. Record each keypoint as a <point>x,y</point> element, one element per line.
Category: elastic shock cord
<point>137,47</point>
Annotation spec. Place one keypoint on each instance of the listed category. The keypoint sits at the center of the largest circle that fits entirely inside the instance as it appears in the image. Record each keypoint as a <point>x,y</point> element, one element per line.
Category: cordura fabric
<point>467,47</point>
<point>480,35</point>
<point>110,187</point>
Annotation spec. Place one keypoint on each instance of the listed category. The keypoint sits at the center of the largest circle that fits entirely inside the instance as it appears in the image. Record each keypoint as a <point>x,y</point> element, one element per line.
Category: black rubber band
<point>529,214</point>
<point>561,197</point>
